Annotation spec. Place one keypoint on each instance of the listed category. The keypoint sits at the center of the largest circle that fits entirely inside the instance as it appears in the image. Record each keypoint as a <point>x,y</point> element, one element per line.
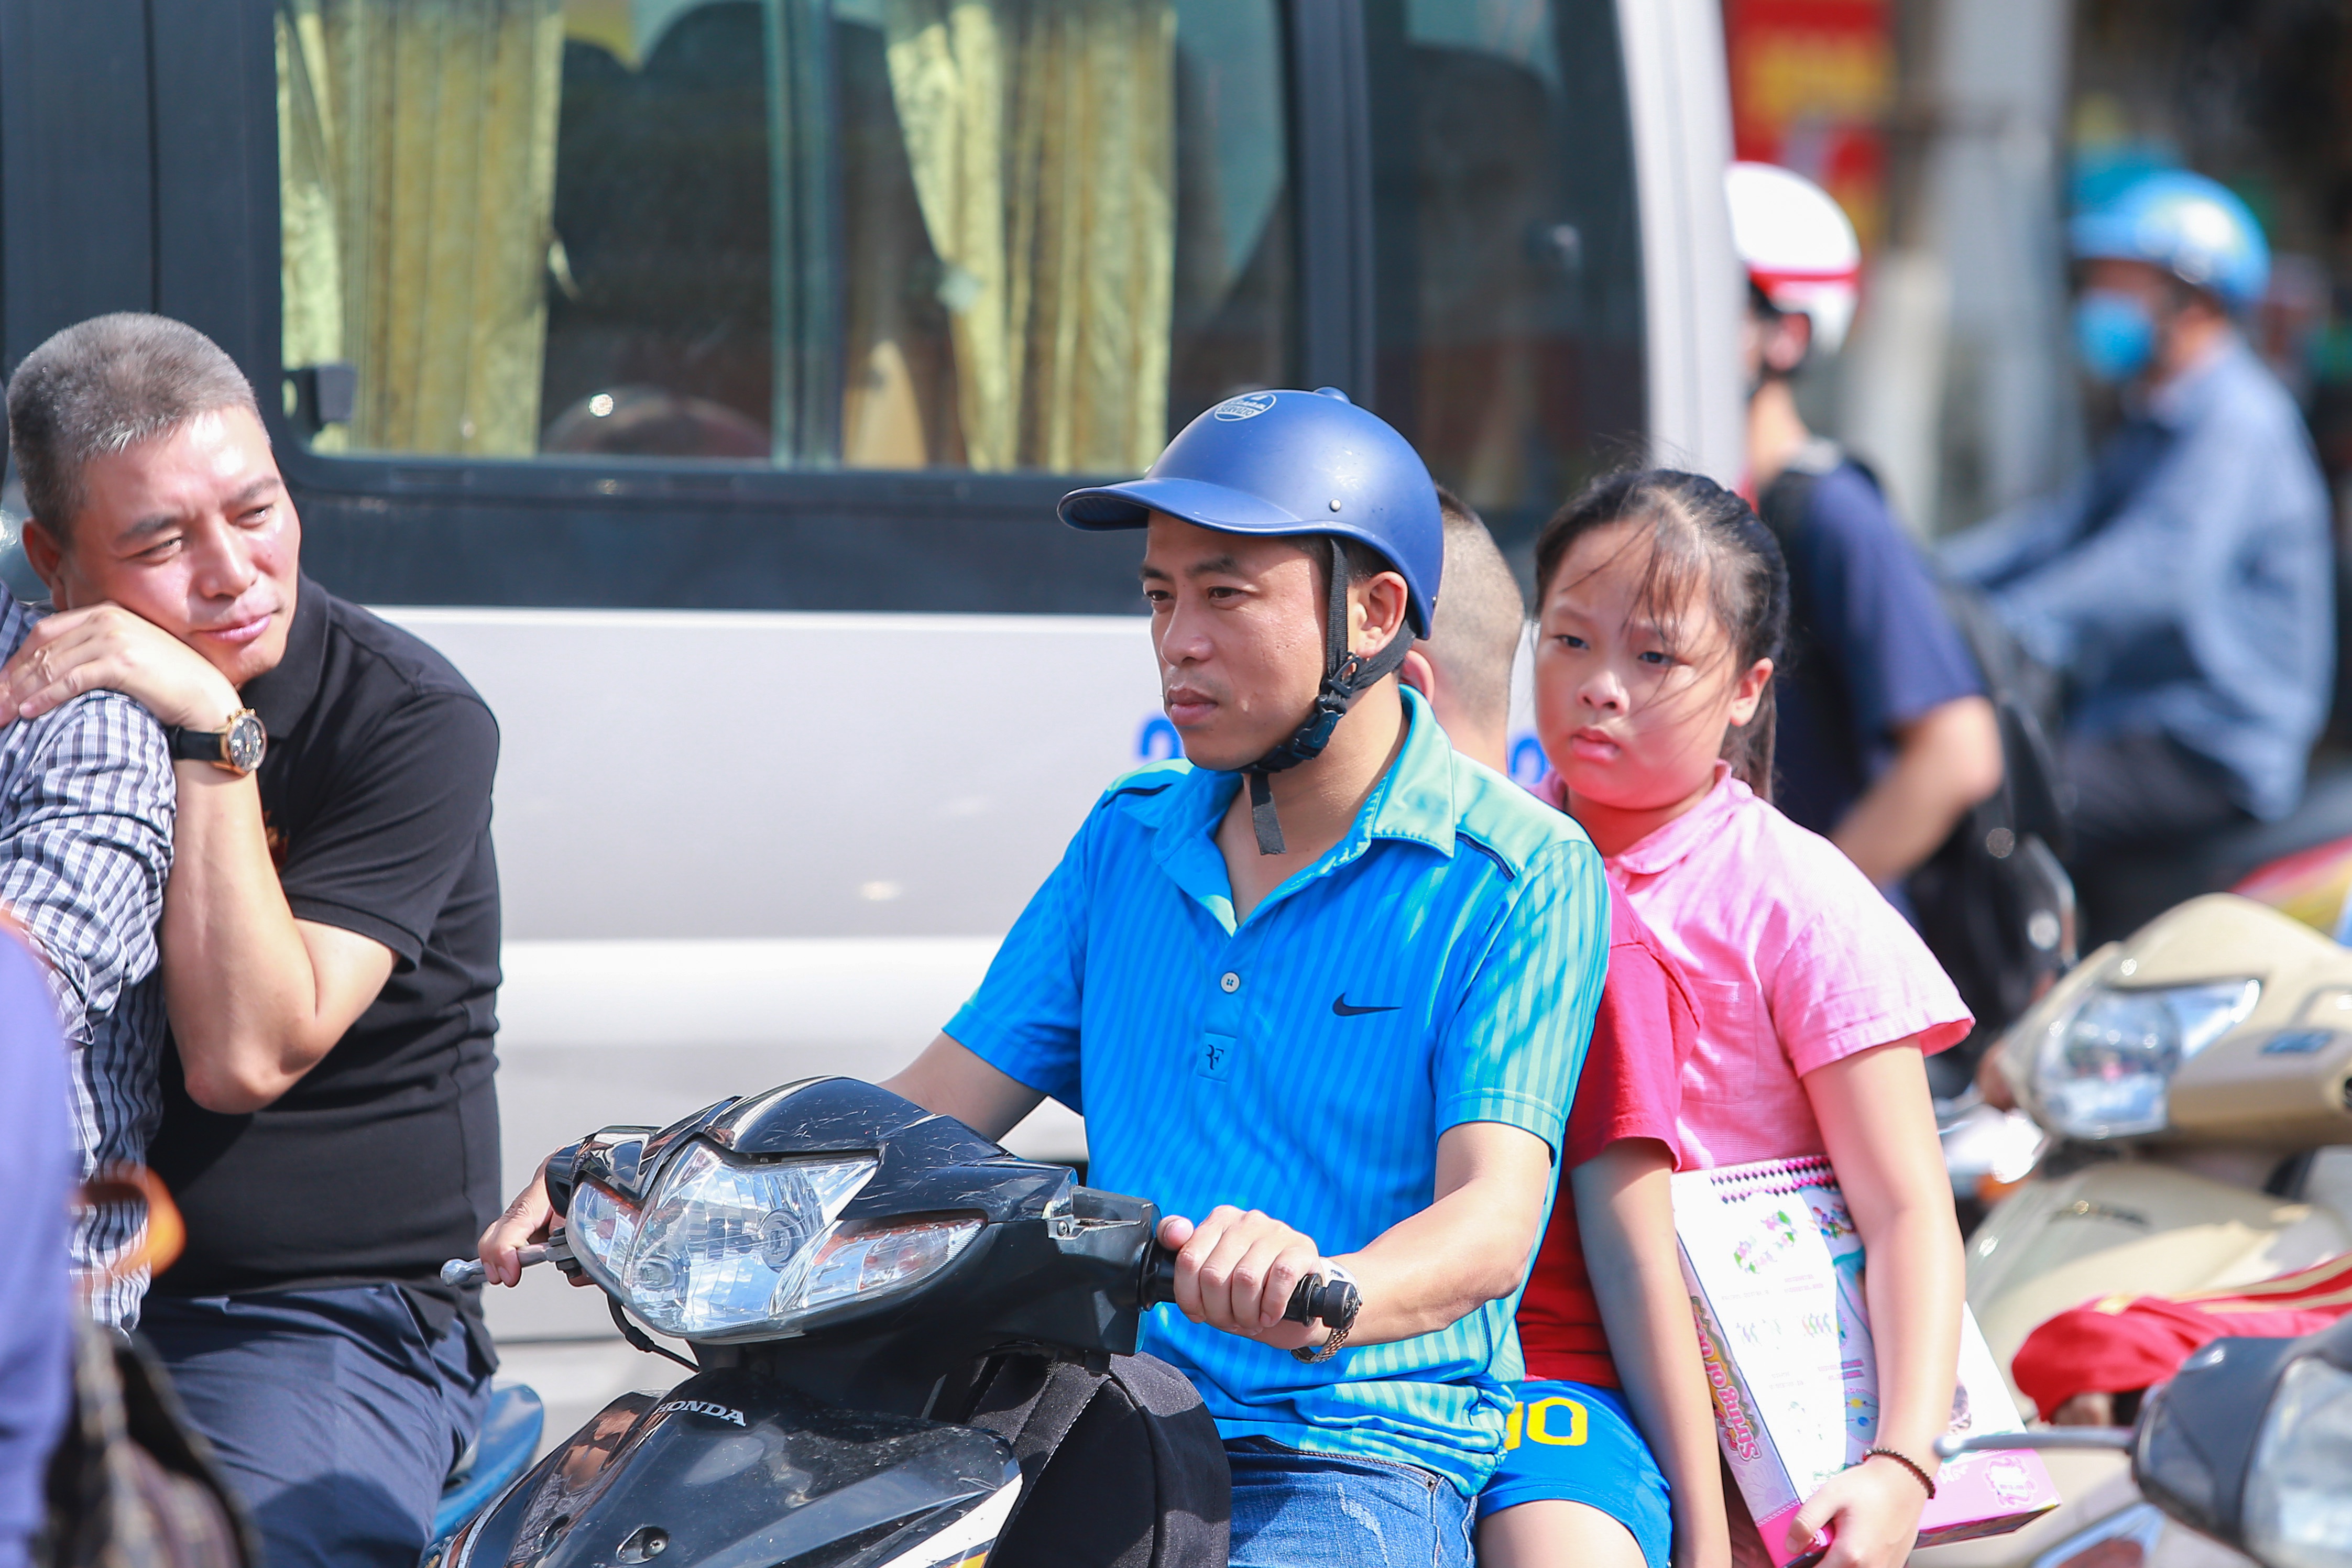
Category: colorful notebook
<point>1775,1271</point>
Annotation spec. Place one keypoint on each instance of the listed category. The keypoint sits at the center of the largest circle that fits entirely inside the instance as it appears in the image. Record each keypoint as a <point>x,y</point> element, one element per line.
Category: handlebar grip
<point>1158,1283</point>
<point>470,1270</point>
<point>1312,1298</point>
<point>1333,1302</point>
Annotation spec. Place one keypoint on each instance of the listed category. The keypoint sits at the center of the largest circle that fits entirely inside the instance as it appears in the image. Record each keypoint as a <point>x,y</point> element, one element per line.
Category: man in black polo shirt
<point>329,941</point>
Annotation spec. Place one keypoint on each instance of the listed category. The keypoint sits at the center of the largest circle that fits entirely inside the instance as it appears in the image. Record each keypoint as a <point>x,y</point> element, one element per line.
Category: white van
<point>700,375</point>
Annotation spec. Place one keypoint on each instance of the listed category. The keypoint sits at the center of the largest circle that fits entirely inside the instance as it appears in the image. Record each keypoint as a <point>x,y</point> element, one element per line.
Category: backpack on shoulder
<point>1994,905</point>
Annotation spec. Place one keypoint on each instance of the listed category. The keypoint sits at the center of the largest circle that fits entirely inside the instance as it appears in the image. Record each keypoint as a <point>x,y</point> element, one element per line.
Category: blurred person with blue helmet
<point>2174,234</point>
<point>2184,585</point>
<point>1321,988</point>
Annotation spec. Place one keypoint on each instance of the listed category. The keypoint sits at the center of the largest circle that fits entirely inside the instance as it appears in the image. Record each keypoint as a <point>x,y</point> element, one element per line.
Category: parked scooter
<point>846,1267</point>
<point>2184,1079</point>
<point>2249,1445</point>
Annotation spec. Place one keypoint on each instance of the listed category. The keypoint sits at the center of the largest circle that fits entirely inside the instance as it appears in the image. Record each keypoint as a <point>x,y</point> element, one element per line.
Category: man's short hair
<point>104,385</point>
<point>1481,615</point>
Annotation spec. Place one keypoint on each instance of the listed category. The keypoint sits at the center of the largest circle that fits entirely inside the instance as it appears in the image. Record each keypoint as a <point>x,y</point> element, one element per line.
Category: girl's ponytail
<point>1702,533</point>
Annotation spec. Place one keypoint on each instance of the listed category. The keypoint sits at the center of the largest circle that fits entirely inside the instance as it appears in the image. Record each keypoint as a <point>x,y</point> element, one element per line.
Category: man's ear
<point>1379,606</point>
<point>46,557</point>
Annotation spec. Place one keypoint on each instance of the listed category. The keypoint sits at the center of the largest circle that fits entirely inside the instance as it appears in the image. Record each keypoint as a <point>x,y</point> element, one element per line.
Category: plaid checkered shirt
<point>86,800</point>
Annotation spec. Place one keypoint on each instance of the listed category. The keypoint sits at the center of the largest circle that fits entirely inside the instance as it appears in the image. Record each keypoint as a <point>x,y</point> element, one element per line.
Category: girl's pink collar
<point>1667,845</point>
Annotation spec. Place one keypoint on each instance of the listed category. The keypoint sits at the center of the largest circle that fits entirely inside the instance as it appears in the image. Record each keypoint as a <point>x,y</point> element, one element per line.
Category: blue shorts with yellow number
<point>1571,1442</point>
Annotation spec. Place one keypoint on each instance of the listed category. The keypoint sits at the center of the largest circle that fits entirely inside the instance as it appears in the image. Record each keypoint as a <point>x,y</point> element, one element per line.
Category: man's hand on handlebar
<point>1235,1271</point>
<point>529,1218</point>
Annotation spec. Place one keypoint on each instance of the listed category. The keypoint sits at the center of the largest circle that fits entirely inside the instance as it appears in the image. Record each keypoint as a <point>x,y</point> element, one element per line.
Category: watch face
<point>245,742</point>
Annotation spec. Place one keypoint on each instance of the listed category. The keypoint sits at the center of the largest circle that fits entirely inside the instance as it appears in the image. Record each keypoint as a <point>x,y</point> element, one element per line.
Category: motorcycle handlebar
<point>470,1270</point>
<point>2048,1439</point>
<point>1313,1298</point>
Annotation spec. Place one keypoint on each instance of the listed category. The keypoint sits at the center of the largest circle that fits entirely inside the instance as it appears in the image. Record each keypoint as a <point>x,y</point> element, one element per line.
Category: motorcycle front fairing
<point>733,1469</point>
<point>807,1438</point>
<point>2220,1023</point>
<point>1040,1262</point>
<point>2174,1072</point>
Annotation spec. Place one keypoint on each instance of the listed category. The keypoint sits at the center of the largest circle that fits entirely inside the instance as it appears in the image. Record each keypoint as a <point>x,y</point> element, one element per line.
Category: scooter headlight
<point>602,1225</point>
<point>2298,1512</point>
<point>721,1250</point>
<point>2105,1066</point>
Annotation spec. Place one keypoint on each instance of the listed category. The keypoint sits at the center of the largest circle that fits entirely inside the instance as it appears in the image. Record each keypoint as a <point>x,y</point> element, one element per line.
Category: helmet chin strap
<point>1346,677</point>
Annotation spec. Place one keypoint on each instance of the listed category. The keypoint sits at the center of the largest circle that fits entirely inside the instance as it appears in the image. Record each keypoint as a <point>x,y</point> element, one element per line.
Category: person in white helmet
<point>1886,737</point>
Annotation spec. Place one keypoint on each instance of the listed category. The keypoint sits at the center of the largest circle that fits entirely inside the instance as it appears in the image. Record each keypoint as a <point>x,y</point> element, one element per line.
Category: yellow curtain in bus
<point>417,176</point>
<point>1041,136</point>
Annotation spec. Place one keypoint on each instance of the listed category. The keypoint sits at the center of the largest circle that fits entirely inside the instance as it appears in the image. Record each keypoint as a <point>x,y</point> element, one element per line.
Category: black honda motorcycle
<point>852,1274</point>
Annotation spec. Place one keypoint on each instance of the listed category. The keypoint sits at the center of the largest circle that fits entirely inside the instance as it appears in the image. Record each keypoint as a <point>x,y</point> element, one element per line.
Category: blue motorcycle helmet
<point>2192,227</point>
<point>1297,464</point>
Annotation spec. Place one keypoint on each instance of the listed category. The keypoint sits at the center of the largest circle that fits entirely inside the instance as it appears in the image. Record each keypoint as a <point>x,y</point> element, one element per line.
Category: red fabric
<point>2127,1342</point>
<point>1630,1088</point>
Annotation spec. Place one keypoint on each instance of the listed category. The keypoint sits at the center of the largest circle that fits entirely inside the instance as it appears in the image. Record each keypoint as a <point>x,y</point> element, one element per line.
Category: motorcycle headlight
<point>727,1251</point>
<point>2105,1067</point>
<point>602,1225</point>
<point>872,1259</point>
<point>2298,1511</point>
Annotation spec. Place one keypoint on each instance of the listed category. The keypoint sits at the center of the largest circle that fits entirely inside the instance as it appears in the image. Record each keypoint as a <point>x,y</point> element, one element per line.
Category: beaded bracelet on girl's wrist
<point>1908,1463</point>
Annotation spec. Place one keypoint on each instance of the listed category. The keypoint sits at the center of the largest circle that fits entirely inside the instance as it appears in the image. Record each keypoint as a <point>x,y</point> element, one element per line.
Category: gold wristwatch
<point>238,749</point>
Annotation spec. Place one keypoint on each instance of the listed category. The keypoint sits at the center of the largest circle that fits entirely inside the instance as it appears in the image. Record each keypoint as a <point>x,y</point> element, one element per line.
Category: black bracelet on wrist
<point>1908,1463</point>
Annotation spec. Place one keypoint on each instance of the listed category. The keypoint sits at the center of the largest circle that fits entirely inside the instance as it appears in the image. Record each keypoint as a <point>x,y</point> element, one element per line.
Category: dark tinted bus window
<point>1508,262</point>
<point>990,234</point>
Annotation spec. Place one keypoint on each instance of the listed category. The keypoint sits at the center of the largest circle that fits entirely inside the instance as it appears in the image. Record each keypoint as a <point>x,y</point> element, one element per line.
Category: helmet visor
<point>1130,505</point>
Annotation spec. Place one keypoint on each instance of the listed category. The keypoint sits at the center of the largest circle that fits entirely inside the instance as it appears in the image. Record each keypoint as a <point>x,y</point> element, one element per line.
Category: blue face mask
<point>2114,333</point>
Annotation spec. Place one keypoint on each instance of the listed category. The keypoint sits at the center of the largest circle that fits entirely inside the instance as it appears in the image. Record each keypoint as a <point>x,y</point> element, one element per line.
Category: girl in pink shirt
<point>1662,603</point>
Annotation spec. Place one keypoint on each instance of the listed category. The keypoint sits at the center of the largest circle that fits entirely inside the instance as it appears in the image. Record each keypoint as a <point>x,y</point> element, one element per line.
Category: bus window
<point>982,235</point>
<point>1508,262</point>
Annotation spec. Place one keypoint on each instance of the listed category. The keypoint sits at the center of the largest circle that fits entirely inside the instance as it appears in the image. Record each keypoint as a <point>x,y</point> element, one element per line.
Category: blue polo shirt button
<point>1230,983</point>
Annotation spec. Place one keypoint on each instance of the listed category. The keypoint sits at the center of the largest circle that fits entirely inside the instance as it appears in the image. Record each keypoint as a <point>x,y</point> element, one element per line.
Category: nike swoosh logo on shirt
<point>1340,1004</point>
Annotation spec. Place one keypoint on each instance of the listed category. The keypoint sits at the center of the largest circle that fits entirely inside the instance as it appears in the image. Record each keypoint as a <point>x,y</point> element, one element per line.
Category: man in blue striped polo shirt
<point>1322,989</point>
